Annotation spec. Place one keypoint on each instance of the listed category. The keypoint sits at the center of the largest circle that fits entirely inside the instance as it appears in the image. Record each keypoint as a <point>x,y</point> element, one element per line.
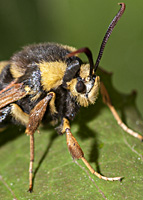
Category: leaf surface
<point>110,151</point>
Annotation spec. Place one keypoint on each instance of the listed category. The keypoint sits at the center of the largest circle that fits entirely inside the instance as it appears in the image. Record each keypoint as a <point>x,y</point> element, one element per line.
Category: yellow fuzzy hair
<point>52,74</point>
<point>3,64</point>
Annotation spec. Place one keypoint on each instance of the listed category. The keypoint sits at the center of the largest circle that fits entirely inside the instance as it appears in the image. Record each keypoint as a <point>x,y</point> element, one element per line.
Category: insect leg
<point>18,114</point>
<point>35,118</point>
<point>31,163</point>
<point>37,114</point>
<point>107,101</point>
<point>77,153</point>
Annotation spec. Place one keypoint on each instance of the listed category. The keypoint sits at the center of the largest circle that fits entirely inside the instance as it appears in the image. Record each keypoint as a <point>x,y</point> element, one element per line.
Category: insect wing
<point>13,92</point>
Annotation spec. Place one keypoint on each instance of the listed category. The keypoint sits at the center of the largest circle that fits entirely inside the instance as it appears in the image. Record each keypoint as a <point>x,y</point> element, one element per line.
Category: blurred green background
<point>79,23</point>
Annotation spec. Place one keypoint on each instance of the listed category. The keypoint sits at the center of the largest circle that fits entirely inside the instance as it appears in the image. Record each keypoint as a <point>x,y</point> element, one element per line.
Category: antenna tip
<point>122,4</point>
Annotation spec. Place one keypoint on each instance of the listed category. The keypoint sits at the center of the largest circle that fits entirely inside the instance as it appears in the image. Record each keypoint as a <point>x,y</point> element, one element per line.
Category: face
<point>85,88</point>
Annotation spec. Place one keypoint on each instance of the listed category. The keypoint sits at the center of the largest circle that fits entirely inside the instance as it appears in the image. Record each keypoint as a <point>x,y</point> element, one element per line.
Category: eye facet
<point>80,87</point>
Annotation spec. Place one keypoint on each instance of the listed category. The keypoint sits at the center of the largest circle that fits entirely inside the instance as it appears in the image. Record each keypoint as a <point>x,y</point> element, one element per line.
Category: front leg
<point>35,117</point>
<point>37,113</point>
<point>77,153</point>
<point>107,101</point>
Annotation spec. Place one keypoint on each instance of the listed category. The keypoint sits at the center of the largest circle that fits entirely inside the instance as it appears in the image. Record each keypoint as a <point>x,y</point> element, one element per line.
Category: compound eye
<point>80,87</point>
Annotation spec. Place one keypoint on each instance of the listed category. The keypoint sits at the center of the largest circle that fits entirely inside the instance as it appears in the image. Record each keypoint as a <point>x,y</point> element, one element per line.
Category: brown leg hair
<point>77,153</point>
<point>35,118</point>
<point>107,101</point>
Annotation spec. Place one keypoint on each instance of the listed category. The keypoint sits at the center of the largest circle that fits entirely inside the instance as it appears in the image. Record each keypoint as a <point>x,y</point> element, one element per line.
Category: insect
<point>50,81</point>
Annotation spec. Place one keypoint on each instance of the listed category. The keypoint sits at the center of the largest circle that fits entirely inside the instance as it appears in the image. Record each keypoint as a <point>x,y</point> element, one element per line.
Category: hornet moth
<point>51,81</point>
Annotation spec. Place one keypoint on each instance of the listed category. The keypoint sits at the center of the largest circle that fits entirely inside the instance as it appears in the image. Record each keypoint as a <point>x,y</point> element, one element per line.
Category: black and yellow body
<point>46,81</point>
<point>38,70</point>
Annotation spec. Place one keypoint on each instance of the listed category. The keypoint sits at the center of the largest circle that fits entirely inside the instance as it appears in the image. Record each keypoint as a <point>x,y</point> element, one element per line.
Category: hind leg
<point>107,101</point>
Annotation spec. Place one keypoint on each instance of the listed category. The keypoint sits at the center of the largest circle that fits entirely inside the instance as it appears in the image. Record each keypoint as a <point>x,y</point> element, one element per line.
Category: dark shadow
<point>84,132</point>
<point>10,133</point>
<point>52,138</point>
<point>94,154</point>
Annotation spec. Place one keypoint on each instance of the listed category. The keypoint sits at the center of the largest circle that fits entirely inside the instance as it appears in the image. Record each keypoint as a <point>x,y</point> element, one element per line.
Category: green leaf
<point>110,151</point>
